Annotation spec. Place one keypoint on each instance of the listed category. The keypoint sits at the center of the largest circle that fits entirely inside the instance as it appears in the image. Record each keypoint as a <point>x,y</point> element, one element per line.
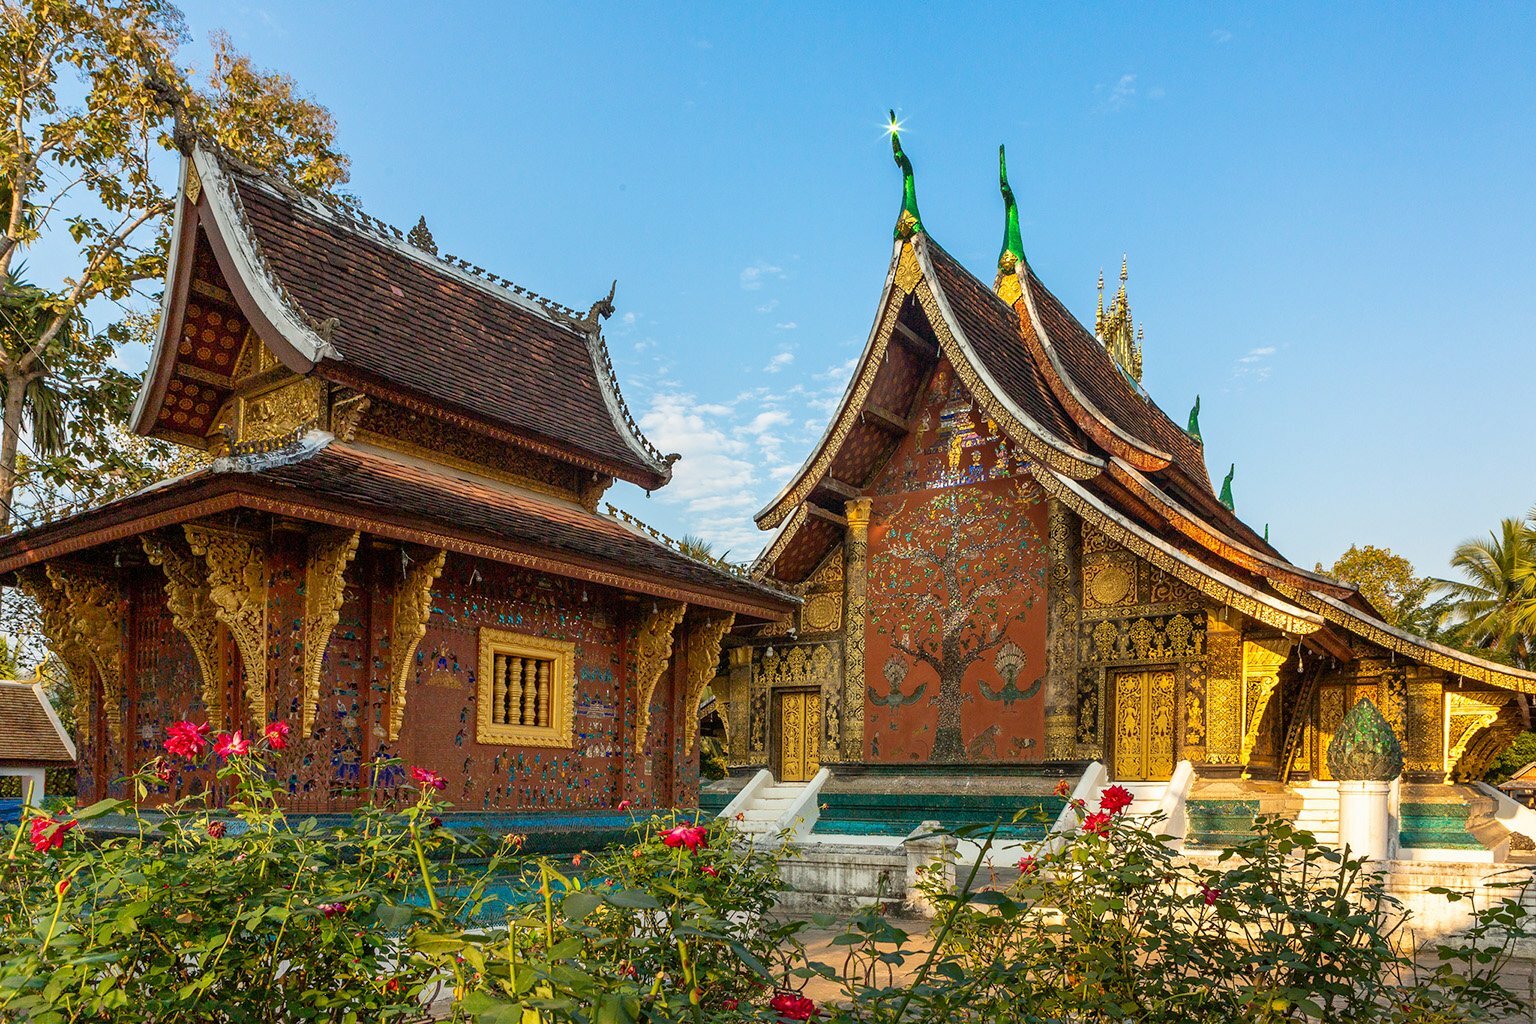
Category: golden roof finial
<point>1098,320</point>
<point>1117,328</point>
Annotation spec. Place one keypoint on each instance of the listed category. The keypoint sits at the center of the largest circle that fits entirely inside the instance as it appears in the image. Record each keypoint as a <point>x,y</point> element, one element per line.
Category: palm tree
<point>26,311</point>
<point>1494,609</point>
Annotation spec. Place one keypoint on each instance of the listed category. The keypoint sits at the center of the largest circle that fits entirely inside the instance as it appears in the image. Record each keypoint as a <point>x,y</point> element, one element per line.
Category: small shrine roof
<point>30,731</point>
<point>362,306</point>
<point>320,479</point>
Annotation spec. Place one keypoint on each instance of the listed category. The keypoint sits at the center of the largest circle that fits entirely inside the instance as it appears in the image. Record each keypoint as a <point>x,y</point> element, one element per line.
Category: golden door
<point>1144,719</point>
<point>1332,703</point>
<point>799,735</point>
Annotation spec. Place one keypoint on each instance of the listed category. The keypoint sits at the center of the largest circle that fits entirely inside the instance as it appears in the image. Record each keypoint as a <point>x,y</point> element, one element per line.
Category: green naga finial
<point>1365,749</point>
<point>1194,421</point>
<point>1013,242</point>
<point>1266,533</point>
<point>910,220</point>
<point>1226,488</point>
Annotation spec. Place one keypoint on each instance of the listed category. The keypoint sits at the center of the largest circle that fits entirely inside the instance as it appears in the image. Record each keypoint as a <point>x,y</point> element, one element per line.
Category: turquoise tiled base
<point>1436,825</point>
<point>1220,824</point>
<point>899,814</point>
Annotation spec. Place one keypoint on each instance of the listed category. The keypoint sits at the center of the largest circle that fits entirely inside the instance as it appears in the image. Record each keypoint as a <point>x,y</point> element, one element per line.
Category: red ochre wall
<point>350,733</point>
<point>955,516</point>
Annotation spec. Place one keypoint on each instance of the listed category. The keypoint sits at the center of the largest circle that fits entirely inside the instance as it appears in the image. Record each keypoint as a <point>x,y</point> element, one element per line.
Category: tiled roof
<point>28,733</point>
<point>992,327</point>
<point>408,321</point>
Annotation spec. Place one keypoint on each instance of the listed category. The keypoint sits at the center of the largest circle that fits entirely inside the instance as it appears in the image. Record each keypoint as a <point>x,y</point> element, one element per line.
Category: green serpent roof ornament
<point>1194,421</point>
<point>910,221</point>
<point>1012,253</point>
<point>1226,488</point>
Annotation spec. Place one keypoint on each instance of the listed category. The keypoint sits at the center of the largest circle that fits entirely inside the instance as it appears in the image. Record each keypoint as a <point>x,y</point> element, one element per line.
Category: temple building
<point>395,542</point>
<point>1013,564</point>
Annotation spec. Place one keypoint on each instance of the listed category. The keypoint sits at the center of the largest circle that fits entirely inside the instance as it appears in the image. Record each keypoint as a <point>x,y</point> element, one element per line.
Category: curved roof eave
<point>1103,429</point>
<point>1215,541</point>
<point>1210,581</point>
<point>1433,654</point>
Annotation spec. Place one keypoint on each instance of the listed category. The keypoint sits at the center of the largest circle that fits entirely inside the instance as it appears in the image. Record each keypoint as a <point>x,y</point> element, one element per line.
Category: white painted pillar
<point>1365,819</point>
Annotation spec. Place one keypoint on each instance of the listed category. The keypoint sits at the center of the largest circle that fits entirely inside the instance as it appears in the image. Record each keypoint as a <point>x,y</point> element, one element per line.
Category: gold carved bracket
<point>652,653</point>
<point>58,624</point>
<point>237,588</point>
<point>413,607</point>
<point>702,657</point>
<point>325,568</point>
<point>1467,714</point>
<point>191,607</point>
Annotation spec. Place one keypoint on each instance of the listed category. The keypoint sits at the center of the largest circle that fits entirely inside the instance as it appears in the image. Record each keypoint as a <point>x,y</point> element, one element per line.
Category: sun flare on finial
<point>893,126</point>
<point>909,221</point>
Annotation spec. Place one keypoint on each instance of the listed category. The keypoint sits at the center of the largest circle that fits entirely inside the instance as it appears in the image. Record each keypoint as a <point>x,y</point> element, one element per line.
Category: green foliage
<point>1385,579</point>
<point>1364,748</point>
<point>1517,755</point>
<point>1493,606</point>
<point>186,915</point>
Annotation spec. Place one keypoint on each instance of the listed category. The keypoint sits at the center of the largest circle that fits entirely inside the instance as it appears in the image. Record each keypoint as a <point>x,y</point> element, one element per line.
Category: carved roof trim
<point>1427,652</point>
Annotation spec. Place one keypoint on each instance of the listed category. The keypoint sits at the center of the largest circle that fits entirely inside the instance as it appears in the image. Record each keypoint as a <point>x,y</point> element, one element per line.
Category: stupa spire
<point>1116,327</point>
<point>1226,489</point>
<point>1012,253</point>
<point>909,222</point>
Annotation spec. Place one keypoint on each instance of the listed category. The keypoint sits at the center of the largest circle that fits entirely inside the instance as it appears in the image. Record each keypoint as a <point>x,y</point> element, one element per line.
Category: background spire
<point>909,222</point>
<point>1226,489</point>
<point>1194,420</point>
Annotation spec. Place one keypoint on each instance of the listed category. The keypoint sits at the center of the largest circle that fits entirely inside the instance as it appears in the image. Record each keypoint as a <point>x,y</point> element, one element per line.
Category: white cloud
<point>769,306</point>
<point>778,362</point>
<point>1220,36</point>
<point>765,421</point>
<point>752,277</point>
<point>788,325</point>
<point>1118,96</point>
<point>1256,355</point>
<point>1253,367</point>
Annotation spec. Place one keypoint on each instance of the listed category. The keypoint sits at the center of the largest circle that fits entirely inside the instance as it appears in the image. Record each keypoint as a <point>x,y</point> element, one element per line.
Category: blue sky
<point>1327,208</point>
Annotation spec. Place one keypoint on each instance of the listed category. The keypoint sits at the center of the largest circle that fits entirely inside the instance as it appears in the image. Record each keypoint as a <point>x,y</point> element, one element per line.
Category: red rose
<point>691,836</point>
<point>62,886</point>
<point>1211,895</point>
<point>277,735</point>
<point>729,1003</point>
<point>1063,788</point>
<point>625,805</point>
<point>1115,799</point>
<point>163,772</point>
<point>333,909</point>
<point>231,745</point>
<point>392,985</point>
<point>792,1006</point>
<point>186,739</point>
<point>427,778</point>
<point>216,829</point>
<point>1027,865</point>
<point>710,870</point>
<point>1098,823</point>
<point>48,834</point>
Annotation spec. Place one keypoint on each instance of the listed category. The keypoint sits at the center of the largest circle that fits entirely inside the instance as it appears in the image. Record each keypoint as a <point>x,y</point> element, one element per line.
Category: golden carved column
<point>325,567</point>
<point>408,624</point>
<point>856,585</point>
<point>653,652</point>
<point>737,697</point>
<point>1424,746</point>
<point>702,657</point>
<point>237,588</point>
<point>1061,636</point>
<point>187,598</point>
<point>93,606</point>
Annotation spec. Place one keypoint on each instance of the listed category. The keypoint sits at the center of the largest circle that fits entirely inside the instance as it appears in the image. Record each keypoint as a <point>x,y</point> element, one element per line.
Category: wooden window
<point>525,686</point>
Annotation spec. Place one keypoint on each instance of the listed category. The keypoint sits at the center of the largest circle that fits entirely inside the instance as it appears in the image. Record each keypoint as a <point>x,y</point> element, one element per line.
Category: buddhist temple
<point>1013,566</point>
<point>394,543</point>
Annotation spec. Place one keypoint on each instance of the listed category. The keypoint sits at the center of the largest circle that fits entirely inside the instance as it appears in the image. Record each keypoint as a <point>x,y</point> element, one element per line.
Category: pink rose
<point>186,739</point>
<point>277,735</point>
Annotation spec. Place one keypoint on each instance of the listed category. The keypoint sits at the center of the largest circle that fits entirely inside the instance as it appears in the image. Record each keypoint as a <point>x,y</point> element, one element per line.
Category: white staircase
<point>1146,797</point>
<point>762,814</point>
<point>1319,811</point>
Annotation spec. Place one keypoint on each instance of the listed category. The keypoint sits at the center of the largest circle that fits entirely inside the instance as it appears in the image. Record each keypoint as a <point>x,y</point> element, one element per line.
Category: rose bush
<point>189,914</point>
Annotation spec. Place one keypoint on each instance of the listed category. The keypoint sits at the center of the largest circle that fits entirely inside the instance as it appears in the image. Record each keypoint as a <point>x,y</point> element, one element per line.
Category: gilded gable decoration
<point>237,589</point>
<point>823,608</point>
<point>653,652</point>
<point>1145,638</point>
<point>413,608</point>
<point>701,655</point>
<point>191,606</point>
<point>325,567</point>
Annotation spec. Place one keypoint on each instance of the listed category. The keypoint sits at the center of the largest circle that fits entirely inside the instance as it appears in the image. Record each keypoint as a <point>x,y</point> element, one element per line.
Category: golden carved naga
<point>191,607</point>
<point>653,650</point>
<point>701,654</point>
<point>325,567</point>
<point>413,607</point>
<point>237,589</point>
